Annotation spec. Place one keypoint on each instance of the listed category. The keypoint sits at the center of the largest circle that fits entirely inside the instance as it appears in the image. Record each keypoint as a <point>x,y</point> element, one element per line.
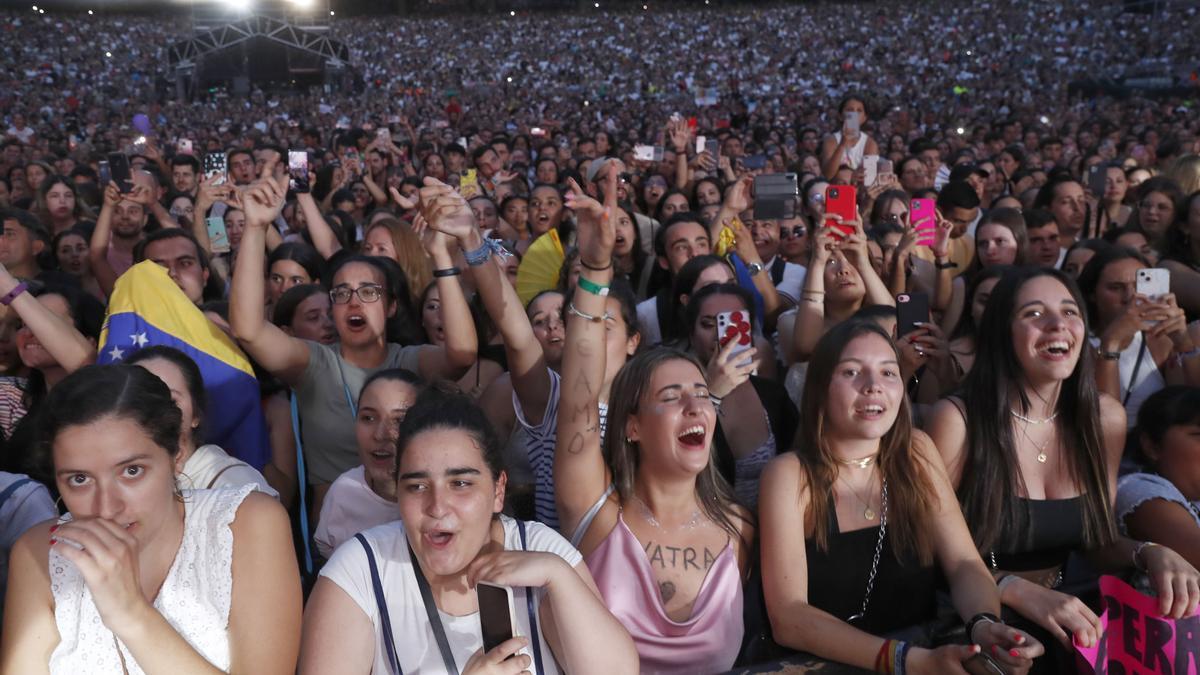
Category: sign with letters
<point>1137,640</point>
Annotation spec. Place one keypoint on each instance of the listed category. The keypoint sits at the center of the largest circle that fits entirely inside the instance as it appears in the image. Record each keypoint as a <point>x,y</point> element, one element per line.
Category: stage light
<point>509,78</point>
<point>108,55</point>
<point>303,4</point>
<point>512,12</point>
<point>960,131</point>
<point>331,12</point>
<point>41,11</point>
<point>35,8</point>
<point>89,12</point>
<point>597,5</point>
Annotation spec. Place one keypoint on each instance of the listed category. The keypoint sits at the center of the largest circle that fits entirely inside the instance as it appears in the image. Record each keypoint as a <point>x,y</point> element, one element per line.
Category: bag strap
<point>1137,367</point>
<point>533,625</point>
<point>302,485</point>
<point>435,620</point>
<point>213,482</point>
<point>346,388</point>
<point>8,492</point>
<point>389,642</point>
<point>778,267</point>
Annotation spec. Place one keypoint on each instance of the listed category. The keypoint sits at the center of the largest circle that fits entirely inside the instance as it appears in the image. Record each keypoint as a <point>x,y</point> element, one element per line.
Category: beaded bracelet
<point>485,251</point>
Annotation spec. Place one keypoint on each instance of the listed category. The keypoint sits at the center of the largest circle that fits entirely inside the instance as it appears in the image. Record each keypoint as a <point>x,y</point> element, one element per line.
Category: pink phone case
<point>924,220</point>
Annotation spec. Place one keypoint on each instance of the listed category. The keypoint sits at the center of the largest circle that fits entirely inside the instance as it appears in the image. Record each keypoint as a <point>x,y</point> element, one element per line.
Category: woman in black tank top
<point>1034,449</point>
<point>877,511</point>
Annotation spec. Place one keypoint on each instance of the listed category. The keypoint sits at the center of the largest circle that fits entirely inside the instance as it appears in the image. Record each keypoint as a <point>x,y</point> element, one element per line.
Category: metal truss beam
<point>186,53</point>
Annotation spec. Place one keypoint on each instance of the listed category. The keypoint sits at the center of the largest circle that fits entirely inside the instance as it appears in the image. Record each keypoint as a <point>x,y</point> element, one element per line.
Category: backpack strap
<point>385,620</point>
<point>533,625</point>
<point>8,492</point>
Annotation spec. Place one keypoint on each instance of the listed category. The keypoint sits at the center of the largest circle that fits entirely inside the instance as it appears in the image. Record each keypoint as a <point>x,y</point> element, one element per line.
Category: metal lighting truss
<point>186,53</point>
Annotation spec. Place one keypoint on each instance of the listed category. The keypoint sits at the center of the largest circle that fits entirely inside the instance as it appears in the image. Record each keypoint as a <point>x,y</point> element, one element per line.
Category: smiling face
<point>674,422</point>
<point>111,469</point>
<point>865,391</point>
<point>381,409</point>
<point>447,497</point>
<point>1047,330</point>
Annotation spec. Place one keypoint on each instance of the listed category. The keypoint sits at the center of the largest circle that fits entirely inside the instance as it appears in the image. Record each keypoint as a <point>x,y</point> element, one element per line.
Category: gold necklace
<point>860,463</point>
<point>1041,456</point>
<point>868,512</point>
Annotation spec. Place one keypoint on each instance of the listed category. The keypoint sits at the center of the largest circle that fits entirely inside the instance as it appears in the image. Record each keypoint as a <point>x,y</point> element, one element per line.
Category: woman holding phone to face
<point>450,490</point>
<point>848,145</point>
<point>1033,450</point>
<point>658,526</point>
<point>877,511</point>
<point>140,576</point>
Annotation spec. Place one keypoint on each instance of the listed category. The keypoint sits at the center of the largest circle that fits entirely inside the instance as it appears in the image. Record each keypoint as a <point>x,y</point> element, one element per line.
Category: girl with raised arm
<point>658,526</point>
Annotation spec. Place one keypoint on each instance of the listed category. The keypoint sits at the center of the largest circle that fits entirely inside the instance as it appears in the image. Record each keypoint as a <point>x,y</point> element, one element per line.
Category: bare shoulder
<point>257,515</point>
<point>924,447</point>
<point>784,477</point>
<point>1112,413</point>
<point>35,545</point>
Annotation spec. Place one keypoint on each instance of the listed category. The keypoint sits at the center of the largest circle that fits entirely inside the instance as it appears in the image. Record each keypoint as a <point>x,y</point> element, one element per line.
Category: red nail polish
<point>53,541</point>
<point>53,528</point>
<point>1013,653</point>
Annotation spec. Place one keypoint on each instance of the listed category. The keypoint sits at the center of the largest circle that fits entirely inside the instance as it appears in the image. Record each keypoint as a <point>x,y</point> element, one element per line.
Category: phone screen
<point>298,170</point>
<point>911,309</point>
<point>495,614</point>
<point>218,236</point>
<point>215,165</point>
<point>122,174</point>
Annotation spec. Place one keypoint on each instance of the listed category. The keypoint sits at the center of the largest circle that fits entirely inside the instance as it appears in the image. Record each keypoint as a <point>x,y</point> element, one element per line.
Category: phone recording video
<point>120,171</point>
<point>298,171</point>
<point>215,166</point>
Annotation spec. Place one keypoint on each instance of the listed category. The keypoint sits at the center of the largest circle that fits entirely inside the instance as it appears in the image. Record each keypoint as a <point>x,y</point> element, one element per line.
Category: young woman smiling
<point>657,507</point>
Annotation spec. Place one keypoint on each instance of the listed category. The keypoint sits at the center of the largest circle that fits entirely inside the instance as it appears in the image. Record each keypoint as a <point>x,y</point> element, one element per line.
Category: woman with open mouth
<point>658,526</point>
<point>418,577</point>
<point>365,292</point>
<point>141,576</point>
<point>365,496</point>
<point>877,512</point>
<point>1033,450</point>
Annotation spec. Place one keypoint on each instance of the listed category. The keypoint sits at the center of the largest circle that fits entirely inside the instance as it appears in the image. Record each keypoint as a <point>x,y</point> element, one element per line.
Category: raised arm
<point>578,461</point>
<point>855,247</point>
<point>526,362</point>
<point>105,275</point>
<point>680,136</point>
<point>57,335</point>
<point>323,237</point>
<point>810,313</point>
<point>283,356</point>
<point>209,193</point>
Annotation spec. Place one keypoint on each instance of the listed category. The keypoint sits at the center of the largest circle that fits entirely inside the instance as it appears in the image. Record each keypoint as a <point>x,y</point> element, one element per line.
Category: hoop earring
<point>59,506</point>
<point>178,491</point>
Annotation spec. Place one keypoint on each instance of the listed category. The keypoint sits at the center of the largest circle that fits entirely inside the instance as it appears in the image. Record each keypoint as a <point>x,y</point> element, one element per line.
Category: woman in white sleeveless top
<point>847,146</point>
<point>140,577</point>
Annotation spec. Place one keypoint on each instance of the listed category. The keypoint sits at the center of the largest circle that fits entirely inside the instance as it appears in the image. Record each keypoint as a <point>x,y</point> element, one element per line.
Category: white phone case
<point>735,326</point>
<point>1153,283</point>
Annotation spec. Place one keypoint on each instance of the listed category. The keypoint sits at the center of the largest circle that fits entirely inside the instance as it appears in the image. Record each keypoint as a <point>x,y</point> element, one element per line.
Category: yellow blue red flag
<point>148,308</point>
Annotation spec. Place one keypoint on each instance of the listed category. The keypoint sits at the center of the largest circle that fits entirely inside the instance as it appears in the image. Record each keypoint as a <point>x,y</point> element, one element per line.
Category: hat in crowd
<point>963,171</point>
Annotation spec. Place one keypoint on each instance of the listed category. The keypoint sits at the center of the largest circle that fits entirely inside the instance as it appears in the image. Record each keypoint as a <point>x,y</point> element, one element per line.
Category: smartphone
<point>1153,283</point>
<point>496,616</point>
<point>982,664</point>
<point>870,169</point>
<point>841,200</point>
<point>922,216</point>
<point>462,140</point>
<point>218,238</point>
<point>139,146</point>
<point>853,121</point>
<point>384,135</point>
<point>185,146</point>
<point>122,174</point>
<point>298,170</point>
<point>713,148</point>
<point>468,186</point>
<point>735,327</point>
<point>1095,179</point>
<point>647,153</point>
<point>911,309</point>
<point>700,141</point>
<point>754,162</point>
<point>104,173</point>
<point>885,165</point>
<point>537,132</point>
<point>775,196</point>
<point>216,165</point>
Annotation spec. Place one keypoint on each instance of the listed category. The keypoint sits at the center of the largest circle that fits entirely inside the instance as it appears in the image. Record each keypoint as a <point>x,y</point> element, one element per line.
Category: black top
<point>903,595</point>
<point>1054,529</point>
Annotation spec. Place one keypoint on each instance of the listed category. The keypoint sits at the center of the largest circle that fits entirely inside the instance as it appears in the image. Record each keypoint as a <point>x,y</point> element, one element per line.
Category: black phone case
<point>911,308</point>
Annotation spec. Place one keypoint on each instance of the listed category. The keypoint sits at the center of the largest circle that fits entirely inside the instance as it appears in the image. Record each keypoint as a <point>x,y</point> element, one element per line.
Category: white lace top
<point>194,598</point>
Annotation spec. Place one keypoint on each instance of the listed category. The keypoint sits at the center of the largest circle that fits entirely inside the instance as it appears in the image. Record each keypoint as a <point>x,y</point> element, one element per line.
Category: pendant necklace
<point>1041,456</point>
<point>868,512</point>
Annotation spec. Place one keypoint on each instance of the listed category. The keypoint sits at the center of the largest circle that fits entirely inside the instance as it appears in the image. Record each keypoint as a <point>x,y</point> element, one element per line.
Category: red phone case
<point>924,220</point>
<point>841,200</point>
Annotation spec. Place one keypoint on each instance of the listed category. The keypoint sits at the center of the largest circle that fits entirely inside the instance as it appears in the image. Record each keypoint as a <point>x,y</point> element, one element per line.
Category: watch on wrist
<point>754,269</point>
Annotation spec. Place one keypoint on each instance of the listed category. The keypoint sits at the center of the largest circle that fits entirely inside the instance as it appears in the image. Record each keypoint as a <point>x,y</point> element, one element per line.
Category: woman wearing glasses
<point>363,296</point>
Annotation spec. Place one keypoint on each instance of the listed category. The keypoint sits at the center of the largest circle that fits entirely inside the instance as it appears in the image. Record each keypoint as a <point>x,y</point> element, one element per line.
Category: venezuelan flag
<point>147,308</point>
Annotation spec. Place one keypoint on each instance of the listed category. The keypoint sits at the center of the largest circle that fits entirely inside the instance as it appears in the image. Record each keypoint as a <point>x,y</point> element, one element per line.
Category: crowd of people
<point>527,310</point>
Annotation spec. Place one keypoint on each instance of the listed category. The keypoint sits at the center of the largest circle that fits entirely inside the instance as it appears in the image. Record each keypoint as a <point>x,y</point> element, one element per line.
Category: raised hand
<point>446,211</point>
<point>727,372</point>
<point>942,236</point>
<point>680,134</point>
<point>737,195</point>
<point>404,202</point>
<point>596,230</point>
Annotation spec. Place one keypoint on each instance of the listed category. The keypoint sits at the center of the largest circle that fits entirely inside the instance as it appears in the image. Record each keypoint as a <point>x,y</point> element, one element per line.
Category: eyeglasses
<point>790,232</point>
<point>366,293</point>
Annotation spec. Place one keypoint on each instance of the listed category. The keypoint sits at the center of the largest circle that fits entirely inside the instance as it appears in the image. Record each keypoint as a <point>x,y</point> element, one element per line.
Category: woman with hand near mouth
<point>657,524</point>
<point>365,496</point>
<point>363,295</point>
<point>142,577</point>
<point>1034,450</point>
<point>450,491</point>
<point>877,512</point>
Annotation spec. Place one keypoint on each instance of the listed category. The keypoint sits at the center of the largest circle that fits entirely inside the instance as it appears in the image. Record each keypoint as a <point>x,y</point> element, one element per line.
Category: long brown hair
<point>623,458</point>
<point>910,494</point>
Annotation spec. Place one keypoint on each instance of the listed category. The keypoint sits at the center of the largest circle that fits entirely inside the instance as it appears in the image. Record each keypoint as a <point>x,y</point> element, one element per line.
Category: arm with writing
<point>578,461</point>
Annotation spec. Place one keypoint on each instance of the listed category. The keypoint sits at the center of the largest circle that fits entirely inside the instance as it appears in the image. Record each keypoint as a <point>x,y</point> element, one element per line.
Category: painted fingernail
<point>53,529</point>
<point>1013,652</point>
<point>53,541</point>
<point>1018,638</point>
<point>975,649</point>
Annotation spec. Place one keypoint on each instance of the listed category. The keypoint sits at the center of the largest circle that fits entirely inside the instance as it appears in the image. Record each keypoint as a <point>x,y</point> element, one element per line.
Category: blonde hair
<point>410,255</point>
<point>1185,171</point>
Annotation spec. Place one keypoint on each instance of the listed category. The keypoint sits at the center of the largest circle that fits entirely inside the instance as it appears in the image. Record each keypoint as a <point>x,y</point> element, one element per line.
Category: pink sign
<point>1137,640</point>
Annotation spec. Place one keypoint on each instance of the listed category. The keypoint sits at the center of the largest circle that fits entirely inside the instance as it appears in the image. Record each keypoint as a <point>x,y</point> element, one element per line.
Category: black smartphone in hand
<point>122,174</point>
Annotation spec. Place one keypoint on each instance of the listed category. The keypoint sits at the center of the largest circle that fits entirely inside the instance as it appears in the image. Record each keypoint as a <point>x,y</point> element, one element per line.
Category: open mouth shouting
<point>693,437</point>
<point>870,410</point>
<point>437,540</point>
<point>1054,350</point>
<point>356,322</point>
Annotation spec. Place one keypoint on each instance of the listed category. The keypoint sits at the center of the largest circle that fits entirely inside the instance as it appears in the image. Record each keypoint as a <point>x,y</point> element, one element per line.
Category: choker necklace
<point>861,463</point>
<point>648,515</point>
<point>1030,420</point>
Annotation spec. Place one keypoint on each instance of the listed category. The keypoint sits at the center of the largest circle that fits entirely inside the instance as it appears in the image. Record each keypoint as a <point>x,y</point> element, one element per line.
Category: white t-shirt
<point>416,646</point>
<point>350,506</point>
<point>211,468</point>
<point>792,282</point>
<point>647,315</point>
